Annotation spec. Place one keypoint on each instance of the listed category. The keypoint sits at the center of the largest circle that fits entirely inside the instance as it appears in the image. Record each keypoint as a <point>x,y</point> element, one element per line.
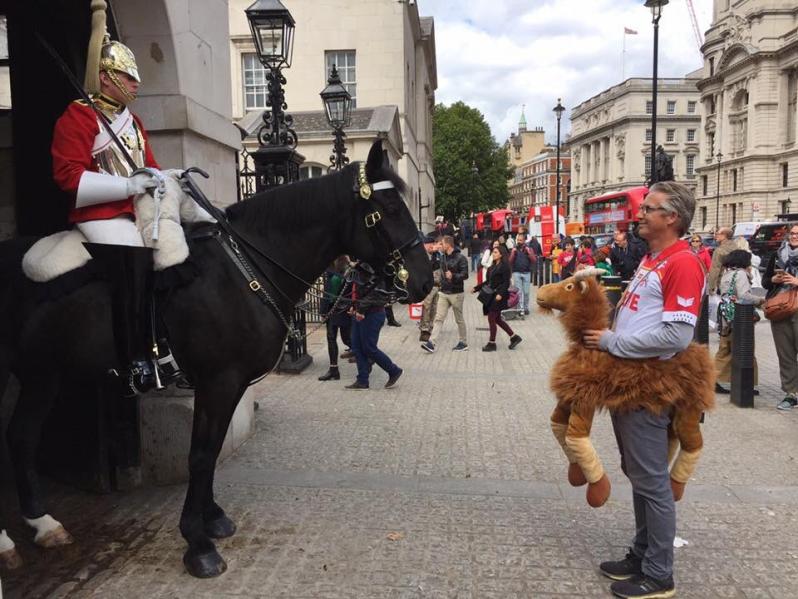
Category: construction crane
<point>696,30</point>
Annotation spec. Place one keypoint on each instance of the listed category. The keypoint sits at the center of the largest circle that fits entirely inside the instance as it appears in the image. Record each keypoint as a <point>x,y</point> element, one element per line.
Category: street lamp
<point>276,160</point>
<point>656,13</point>
<point>338,109</point>
<point>717,193</point>
<point>558,110</point>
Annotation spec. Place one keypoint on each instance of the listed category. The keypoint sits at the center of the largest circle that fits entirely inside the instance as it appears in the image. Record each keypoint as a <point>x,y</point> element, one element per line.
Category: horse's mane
<point>297,204</point>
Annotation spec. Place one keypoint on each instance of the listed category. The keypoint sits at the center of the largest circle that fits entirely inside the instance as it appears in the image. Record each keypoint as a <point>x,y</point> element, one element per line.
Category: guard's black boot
<point>128,271</point>
<point>333,374</point>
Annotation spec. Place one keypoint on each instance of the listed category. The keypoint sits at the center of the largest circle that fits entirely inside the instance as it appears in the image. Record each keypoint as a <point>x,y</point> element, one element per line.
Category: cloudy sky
<point>497,55</point>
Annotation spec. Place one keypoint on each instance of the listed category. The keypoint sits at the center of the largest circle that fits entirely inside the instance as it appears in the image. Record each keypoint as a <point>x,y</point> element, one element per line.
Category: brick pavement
<point>459,460</point>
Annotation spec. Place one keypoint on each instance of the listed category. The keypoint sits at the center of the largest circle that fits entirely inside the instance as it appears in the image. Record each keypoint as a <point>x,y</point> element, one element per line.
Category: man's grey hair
<point>679,201</point>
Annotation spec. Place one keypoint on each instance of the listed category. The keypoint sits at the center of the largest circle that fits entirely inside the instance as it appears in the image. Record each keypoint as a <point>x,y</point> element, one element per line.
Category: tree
<point>471,169</point>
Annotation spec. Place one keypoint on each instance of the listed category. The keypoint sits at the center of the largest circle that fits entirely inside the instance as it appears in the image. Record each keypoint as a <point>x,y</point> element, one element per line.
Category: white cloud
<point>496,55</point>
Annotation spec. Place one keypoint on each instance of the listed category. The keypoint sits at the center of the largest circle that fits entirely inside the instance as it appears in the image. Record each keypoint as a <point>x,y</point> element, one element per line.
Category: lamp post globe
<point>338,110</point>
<point>558,110</point>
<point>656,7</point>
<point>272,29</point>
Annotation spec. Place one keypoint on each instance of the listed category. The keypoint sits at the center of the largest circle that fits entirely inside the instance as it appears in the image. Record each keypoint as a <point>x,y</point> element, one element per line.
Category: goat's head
<point>581,300</point>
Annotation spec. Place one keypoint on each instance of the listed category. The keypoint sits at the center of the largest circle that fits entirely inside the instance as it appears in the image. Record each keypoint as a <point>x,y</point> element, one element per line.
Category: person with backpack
<point>522,263</point>
<point>335,308</point>
<point>494,294</point>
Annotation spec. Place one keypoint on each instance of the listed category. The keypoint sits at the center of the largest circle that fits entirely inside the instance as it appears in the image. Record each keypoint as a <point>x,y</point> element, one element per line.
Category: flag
<point>628,31</point>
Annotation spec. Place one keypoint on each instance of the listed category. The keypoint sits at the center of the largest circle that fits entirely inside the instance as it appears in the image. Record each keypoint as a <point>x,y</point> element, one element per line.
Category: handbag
<point>782,305</point>
<point>486,293</point>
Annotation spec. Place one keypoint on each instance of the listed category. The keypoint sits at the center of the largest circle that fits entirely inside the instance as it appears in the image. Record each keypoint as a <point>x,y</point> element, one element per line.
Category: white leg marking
<point>9,558</point>
<point>49,531</point>
<point>6,544</point>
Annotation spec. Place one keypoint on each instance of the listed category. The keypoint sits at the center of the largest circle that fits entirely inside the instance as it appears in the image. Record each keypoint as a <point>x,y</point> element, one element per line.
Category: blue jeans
<point>475,260</point>
<point>365,335</point>
<point>521,280</point>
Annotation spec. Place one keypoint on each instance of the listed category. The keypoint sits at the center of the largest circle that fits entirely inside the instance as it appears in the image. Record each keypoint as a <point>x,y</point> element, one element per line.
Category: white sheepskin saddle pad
<point>158,219</point>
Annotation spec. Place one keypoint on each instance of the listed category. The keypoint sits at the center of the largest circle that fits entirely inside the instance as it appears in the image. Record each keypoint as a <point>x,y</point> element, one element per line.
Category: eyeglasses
<point>695,241</point>
<point>646,209</point>
<point>793,234</point>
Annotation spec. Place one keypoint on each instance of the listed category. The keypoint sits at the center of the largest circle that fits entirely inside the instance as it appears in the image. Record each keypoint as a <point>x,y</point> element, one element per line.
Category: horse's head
<point>385,234</point>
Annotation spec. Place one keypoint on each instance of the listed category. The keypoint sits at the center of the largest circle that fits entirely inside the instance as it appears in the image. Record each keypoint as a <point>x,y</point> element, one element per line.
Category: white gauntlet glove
<point>140,183</point>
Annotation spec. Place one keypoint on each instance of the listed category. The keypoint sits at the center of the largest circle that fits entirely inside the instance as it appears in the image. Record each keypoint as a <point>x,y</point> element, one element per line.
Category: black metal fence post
<point>296,358</point>
<point>742,375</point>
<point>701,334</point>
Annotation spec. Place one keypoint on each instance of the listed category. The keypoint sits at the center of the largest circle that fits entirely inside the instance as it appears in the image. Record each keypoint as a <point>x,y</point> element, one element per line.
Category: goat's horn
<point>587,273</point>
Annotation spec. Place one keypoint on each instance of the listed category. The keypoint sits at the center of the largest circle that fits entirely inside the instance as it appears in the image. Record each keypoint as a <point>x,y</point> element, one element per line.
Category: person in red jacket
<point>96,174</point>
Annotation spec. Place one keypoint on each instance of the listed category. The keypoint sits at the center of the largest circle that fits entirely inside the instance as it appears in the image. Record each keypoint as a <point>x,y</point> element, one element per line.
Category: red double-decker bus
<point>606,213</point>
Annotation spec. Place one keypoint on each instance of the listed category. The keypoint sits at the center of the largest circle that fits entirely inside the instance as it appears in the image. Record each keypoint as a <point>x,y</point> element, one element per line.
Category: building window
<point>712,105</point>
<point>710,146</point>
<point>733,213</point>
<point>792,104</point>
<point>691,107</point>
<point>734,179</point>
<point>648,134</point>
<point>704,182</point>
<point>670,135</point>
<point>711,66</point>
<point>345,62</point>
<point>310,172</point>
<point>671,106</point>
<point>784,174</point>
<point>691,165</point>
<point>255,89</point>
<point>703,218</point>
<point>785,206</point>
<point>5,68</point>
<point>648,165</point>
<point>649,107</point>
<point>691,135</point>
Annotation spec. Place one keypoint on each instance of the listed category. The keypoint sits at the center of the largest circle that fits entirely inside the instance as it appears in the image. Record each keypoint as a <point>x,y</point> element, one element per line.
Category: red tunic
<point>73,139</point>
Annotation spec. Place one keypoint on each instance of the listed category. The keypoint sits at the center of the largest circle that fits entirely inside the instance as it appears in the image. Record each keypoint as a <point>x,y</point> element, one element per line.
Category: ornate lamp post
<point>338,109</point>
<point>717,193</point>
<point>276,160</point>
<point>558,110</point>
<point>656,13</point>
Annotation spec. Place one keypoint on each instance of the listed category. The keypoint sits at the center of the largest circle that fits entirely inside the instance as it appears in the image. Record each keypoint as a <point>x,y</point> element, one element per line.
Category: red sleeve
<point>682,289</point>
<point>73,138</point>
<point>149,158</point>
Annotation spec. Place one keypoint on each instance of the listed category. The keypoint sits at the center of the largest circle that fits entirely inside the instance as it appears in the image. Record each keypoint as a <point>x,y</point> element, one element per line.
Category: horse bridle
<point>394,267</point>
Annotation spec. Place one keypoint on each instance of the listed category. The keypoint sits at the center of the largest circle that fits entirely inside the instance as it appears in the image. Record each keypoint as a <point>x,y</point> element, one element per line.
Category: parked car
<point>747,230</point>
<point>768,238</point>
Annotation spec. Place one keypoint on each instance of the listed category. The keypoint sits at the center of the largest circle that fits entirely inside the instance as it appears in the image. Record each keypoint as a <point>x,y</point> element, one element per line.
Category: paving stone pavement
<point>448,486</point>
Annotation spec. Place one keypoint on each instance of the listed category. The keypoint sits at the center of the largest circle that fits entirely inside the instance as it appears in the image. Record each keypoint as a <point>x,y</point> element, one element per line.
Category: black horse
<point>222,335</point>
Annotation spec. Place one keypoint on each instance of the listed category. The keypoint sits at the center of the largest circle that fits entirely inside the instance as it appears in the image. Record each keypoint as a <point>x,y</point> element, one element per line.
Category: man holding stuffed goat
<point>655,319</point>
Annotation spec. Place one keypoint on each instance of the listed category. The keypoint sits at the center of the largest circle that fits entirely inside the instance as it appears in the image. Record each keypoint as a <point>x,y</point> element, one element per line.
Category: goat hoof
<point>57,537</point>
<point>220,528</point>
<point>575,475</point>
<point>598,492</point>
<point>204,565</point>
<point>10,560</point>
<point>678,489</point>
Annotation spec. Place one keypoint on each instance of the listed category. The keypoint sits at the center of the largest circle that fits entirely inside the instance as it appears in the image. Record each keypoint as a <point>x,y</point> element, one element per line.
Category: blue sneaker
<point>460,347</point>
<point>428,346</point>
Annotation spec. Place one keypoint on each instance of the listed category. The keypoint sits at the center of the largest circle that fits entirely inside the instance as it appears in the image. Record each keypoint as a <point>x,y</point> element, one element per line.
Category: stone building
<point>524,145</point>
<point>385,54</point>
<point>535,181</point>
<point>749,97</point>
<point>610,140</point>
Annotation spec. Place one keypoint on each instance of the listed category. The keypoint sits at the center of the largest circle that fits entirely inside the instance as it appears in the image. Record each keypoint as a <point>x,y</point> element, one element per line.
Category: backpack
<point>726,308</point>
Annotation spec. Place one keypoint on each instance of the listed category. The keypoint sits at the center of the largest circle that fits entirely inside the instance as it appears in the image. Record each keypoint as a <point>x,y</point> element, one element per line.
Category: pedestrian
<point>475,251</point>
<point>335,309</point>
<point>601,256</point>
<point>625,256</point>
<point>454,271</point>
<point>493,295</point>
<point>522,263</point>
<point>781,275</point>
<point>537,270</point>
<point>655,320</point>
<point>699,249</point>
<point>584,256</point>
<point>368,318</point>
<point>430,303</point>
<point>735,288</point>
<point>726,245</point>
<point>556,250</point>
<point>567,259</point>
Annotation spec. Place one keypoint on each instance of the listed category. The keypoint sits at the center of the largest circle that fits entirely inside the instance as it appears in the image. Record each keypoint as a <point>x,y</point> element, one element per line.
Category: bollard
<point>296,357</point>
<point>742,375</point>
<point>612,286</point>
<point>702,326</point>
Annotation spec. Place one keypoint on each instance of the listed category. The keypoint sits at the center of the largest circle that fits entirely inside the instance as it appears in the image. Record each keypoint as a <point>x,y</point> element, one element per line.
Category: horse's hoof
<point>221,528</point>
<point>575,475</point>
<point>10,560</point>
<point>204,565</point>
<point>57,537</point>
<point>598,492</point>
<point>678,489</point>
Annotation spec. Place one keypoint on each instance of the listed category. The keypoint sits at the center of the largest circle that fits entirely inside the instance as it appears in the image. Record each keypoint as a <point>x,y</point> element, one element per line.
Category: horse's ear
<point>376,160</point>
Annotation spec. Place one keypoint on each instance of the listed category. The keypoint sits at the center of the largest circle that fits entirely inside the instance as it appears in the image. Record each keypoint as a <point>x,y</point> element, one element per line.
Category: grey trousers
<point>643,443</point>
<point>785,338</point>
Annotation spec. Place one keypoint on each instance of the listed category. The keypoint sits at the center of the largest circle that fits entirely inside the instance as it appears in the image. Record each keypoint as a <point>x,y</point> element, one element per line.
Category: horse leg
<point>577,439</point>
<point>213,408</point>
<point>9,556</point>
<point>217,524</point>
<point>559,426</point>
<point>36,397</point>
<point>687,426</point>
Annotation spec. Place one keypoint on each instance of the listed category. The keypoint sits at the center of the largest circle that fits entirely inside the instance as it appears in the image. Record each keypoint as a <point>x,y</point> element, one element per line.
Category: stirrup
<point>138,379</point>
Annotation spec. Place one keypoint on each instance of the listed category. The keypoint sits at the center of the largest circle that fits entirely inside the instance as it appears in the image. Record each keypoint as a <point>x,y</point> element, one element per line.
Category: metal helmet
<point>116,56</point>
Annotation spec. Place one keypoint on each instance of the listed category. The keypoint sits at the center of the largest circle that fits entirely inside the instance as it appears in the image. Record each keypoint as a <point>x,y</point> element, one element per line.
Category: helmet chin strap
<point>120,86</point>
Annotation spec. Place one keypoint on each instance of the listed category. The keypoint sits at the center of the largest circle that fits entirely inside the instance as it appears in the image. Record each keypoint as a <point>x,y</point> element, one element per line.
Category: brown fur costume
<point>585,380</point>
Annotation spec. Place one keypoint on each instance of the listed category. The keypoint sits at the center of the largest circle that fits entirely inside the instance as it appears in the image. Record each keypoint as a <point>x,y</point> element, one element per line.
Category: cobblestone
<point>458,460</point>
